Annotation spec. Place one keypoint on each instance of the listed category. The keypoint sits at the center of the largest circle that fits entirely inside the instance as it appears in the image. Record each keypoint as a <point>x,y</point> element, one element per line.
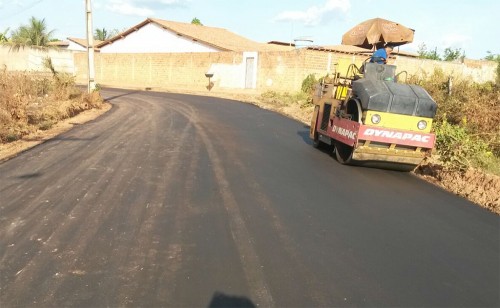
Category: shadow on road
<point>60,138</point>
<point>120,95</point>
<point>304,133</point>
<point>220,300</point>
<point>30,175</point>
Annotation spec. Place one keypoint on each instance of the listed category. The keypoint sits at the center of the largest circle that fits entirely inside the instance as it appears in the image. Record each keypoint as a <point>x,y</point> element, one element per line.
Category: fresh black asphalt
<point>173,200</point>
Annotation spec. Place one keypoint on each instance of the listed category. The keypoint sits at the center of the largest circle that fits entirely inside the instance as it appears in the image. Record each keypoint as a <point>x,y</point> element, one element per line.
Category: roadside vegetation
<point>467,124</point>
<point>37,101</point>
<point>31,102</point>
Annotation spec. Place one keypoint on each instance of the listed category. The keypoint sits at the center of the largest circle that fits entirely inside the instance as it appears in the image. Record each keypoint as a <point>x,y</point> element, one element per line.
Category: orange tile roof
<point>218,38</point>
<point>58,44</point>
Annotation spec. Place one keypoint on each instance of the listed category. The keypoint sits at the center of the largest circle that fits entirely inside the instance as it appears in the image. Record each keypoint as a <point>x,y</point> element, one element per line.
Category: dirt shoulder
<point>474,185</point>
<point>9,150</point>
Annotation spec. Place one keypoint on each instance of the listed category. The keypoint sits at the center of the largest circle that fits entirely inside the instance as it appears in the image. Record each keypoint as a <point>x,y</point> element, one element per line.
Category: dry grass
<point>31,102</point>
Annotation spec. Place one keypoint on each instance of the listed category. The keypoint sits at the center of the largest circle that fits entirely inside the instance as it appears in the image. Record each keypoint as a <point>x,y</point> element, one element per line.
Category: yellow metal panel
<point>398,121</point>
<point>343,63</point>
<point>341,92</point>
<point>387,158</point>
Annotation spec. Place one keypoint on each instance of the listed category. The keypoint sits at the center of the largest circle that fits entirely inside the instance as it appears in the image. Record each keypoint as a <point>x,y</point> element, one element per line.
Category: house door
<point>249,73</point>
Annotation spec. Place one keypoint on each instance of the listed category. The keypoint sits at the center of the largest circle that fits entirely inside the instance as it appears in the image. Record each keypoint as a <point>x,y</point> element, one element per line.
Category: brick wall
<point>278,70</point>
<point>478,70</point>
<point>172,70</point>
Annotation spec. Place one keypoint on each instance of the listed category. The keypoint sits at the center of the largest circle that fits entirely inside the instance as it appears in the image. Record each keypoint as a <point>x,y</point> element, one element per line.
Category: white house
<point>158,36</point>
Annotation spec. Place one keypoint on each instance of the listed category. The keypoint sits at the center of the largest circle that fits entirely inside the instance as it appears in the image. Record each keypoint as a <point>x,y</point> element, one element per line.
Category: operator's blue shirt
<point>379,56</point>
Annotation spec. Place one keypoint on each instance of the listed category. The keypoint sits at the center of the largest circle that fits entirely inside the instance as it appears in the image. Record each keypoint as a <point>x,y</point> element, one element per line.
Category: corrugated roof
<point>218,38</point>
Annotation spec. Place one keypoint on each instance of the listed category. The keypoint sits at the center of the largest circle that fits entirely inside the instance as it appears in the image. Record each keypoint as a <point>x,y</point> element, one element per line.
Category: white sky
<point>465,24</point>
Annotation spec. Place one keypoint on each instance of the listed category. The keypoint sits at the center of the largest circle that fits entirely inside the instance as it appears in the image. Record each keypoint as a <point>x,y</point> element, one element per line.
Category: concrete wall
<point>31,59</point>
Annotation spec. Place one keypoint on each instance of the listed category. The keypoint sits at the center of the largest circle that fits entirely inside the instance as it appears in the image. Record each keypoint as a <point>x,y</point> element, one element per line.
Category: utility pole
<point>90,47</point>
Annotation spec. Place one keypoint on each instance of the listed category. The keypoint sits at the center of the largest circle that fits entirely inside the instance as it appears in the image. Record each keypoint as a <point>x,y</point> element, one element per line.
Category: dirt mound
<point>472,184</point>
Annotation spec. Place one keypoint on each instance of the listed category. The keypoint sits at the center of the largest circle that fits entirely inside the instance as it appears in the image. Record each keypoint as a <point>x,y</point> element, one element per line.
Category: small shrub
<point>12,137</point>
<point>458,149</point>
<point>308,84</point>
<point>46,125</point>
<point>92,100</point>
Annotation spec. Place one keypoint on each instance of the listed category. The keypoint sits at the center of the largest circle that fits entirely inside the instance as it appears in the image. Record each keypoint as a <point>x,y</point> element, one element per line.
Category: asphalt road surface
<point>173,200</point>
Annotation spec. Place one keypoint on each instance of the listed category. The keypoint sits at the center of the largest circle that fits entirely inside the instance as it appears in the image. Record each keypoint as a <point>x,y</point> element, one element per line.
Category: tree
<point>33,34</point>
<point>103,34</point>
<point>196,21</point>
<point>453,54</point>
<point>3,36</point>
<point>492,57</point>
<point>424,54</point>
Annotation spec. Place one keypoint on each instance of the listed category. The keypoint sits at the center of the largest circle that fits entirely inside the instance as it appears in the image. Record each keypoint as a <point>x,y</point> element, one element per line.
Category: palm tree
<point>103,34</point>
<point>33,34</point>
<point>196,21</point>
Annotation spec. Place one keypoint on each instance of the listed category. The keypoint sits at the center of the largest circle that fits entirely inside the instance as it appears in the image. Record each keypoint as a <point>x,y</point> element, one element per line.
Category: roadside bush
<point>29,102</point>
<point>471,106</point>
<point>97,87</point>
<point>308,84</point>
<point>459,150</point>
